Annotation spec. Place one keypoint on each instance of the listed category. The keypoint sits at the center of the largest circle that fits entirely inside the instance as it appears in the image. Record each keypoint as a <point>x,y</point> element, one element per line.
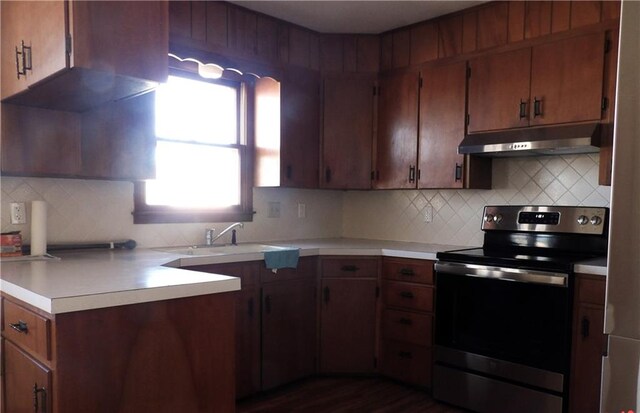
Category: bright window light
<point>198,155</point>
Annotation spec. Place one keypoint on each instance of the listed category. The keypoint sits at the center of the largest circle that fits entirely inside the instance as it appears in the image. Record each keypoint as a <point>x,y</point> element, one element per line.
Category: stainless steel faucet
<point>209,238</point>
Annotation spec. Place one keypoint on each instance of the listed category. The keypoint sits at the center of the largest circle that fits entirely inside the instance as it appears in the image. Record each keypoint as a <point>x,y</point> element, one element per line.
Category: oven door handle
<point>504,274</point>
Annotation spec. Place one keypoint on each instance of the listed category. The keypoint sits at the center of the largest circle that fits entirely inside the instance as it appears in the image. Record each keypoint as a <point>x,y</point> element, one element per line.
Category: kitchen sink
<point>223,249</point>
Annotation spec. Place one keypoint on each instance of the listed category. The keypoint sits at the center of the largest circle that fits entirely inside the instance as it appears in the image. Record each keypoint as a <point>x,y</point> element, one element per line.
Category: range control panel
<point>557,219</point>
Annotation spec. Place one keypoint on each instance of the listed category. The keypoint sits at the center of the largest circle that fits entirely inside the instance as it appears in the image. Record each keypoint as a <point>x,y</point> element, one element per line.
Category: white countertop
<point>94,279</point>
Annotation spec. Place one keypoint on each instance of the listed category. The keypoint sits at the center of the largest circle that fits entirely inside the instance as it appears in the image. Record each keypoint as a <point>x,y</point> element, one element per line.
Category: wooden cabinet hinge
<point>467,119</point>
<point>67,45</point>
<point>605,104</point>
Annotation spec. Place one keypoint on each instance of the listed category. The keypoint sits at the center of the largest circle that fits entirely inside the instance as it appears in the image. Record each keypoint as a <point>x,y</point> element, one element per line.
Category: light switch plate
<point>302,211</point>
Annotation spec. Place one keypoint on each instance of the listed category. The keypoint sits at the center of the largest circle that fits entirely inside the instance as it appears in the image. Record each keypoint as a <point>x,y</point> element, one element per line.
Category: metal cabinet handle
<point>349,268</point>
<point>584,327</point>
<point>267,304</point>
<point>21,327</point>
<point>537,107</point>
<point>327,293</point>
<point>327,175</point>
<point>23,59</point>
<point>289,172</point>
<point>523,109</point>
<point>412,174</point>
<point>37,405</point>
<point>406,294</point>
<point>405,354</point>
<point>405,321</point>
<point>407,272</point>
<point>458,172</point>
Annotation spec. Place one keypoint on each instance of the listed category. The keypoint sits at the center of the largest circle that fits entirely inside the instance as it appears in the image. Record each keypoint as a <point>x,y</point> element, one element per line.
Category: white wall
<point>86,211</point>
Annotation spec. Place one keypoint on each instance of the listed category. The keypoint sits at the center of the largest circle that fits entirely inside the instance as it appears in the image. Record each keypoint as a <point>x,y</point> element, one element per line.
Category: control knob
<point>596,220</point>
<point>583,220</point>
<point>497,218</point>
<point>488,218</point>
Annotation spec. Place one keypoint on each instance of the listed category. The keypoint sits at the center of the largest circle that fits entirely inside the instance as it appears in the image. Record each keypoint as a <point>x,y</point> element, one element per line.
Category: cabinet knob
<point>458,173</point>
<point>21,327</point>
<point>523,109</point>
<point>37,405</point>
<point>23,59</point>
<point>407,272</point>
<point>406,294</point>
<point>537,107</point>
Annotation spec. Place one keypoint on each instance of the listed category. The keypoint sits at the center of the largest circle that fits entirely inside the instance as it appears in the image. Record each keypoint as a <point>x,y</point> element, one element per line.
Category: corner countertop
<point>87,280</point>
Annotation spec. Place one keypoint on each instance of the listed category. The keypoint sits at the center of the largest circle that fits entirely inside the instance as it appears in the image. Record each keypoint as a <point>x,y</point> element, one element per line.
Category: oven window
<point>519,322</point>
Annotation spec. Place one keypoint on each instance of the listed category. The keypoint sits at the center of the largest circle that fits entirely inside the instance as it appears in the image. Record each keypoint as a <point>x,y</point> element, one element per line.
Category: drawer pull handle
<point>37,406</point>
<point>405,354</point>
<point>350,268</point>
<point>20,327</point>
<point>406,294</point>
<point>407,271</point>
<point>405,321</point>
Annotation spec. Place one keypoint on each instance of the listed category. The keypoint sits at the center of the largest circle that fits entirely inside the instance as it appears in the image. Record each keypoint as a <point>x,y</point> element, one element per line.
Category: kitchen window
<point>202,155</point>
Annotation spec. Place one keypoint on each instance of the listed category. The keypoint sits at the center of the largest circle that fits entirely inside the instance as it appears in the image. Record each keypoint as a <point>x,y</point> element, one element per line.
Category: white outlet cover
<point>428,214</point>
<point>18,213</point>
<point>302,211</point>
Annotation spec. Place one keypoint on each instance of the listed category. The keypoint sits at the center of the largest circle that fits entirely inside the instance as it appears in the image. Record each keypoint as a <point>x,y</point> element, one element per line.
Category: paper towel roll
<point>38,228</point>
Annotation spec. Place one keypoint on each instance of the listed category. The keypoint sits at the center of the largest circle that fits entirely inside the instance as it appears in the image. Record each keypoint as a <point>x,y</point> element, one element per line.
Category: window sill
<point>189,216</point>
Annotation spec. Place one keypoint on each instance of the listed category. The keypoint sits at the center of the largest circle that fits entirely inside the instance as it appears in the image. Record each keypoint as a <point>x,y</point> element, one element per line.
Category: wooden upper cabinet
<point>493,25</point>
<point>242,26</point>
<point>40,26</point>
<point>442,113</point>
<point>347,126</point>
<point>552,83</point>
<point>566,80</point>
<point>299,126</point>
<point>397,137</point>
<point>424,42</point>
<point>450,36</point>
<point>498,86</point>
<point>116,50</point>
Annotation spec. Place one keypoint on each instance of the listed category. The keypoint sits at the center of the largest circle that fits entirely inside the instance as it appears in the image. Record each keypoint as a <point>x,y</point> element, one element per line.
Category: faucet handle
<point>208,235</point>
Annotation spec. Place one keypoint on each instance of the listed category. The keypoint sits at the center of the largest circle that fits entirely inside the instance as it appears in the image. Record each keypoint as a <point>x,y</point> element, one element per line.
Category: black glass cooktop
<point>524,258</point>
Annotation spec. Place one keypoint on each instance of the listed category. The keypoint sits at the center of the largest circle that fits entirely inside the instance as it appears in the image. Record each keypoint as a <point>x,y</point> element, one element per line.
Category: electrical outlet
<point>428,214</point>
<point>18,213</point>
<point>302,211</point>
<point>274,210</point>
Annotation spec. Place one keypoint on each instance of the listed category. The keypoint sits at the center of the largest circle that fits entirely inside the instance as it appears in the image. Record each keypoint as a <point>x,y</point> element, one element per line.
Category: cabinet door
<point>397,138</point>
<point>41,26</point>
<point>347,326</point>
<point>288,331</point>
<point>498,87</point>
<point>247,342</point>
<point>347,132</point>
<point>300,136</point>
<point>27,383</point>
<point>566,80</point>
<point>587,359</point>
<point>442,112</point>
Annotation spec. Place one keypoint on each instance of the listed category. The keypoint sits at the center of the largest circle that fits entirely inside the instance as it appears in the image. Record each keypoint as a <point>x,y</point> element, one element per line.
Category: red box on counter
<point>10,245</point>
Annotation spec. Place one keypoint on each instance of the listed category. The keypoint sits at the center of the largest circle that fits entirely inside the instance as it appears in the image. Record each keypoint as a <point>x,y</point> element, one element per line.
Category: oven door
<point>502,338</point>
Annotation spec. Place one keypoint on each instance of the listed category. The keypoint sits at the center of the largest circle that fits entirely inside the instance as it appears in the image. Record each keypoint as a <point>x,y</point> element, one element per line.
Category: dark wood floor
<point>336,395</point>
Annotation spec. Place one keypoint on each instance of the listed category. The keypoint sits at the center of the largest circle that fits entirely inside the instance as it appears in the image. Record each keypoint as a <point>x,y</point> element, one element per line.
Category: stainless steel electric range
<point>503,311</point>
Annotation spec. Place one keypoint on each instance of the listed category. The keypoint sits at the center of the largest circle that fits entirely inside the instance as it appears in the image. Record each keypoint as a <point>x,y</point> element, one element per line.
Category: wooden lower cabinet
<point>406,324</point>
<point>588,344</point>
<point>348,304</point>
<point>163,356</point>
<point>288,331</point>
<point>27,382</point>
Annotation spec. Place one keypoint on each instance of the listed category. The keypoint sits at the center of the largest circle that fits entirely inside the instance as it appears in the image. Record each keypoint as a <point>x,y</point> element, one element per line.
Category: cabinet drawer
<point>350,267</point>
<point>307,267</point>
<point>406,362</point>
<point>402,269</point>
<point>591,290</point>
<point>26,328</point>
<point>405,326</point>
<point>408,296</point>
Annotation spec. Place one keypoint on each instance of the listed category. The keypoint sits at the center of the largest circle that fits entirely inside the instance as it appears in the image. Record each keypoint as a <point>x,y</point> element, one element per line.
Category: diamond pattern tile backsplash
<point>400,215</point>
<point>87,210</point>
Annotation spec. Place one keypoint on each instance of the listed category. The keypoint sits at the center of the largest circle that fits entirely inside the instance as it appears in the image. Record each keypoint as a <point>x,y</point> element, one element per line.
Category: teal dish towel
<point>275,260</point>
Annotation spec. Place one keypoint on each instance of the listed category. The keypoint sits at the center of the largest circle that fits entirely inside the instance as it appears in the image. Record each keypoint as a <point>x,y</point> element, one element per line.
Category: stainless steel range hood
<point>543,140</point>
